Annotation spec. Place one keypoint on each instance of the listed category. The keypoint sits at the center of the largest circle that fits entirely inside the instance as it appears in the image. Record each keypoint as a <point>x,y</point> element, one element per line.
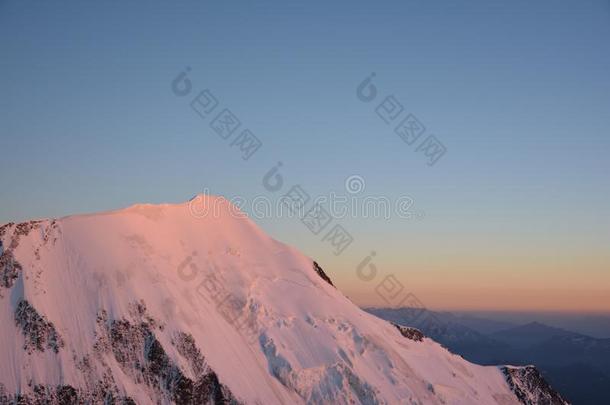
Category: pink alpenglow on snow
<point>150,304</point>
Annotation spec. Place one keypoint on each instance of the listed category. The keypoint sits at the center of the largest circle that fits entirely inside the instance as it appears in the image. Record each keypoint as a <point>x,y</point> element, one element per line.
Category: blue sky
<point>518,92</point>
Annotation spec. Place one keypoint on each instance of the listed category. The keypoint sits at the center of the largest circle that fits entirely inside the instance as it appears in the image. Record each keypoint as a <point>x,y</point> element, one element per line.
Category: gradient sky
<point>516,213</point>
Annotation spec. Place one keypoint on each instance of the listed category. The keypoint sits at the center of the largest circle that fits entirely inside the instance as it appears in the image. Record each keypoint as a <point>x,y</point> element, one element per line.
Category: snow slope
<point>149,304</point>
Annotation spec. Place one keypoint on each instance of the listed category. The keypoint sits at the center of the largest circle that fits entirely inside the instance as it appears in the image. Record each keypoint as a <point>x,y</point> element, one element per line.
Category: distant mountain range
<point>576,365</point>
<point>530,335</point>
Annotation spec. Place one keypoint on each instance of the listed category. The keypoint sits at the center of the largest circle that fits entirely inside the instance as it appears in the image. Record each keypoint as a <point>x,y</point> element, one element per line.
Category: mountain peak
<point>159,303</point>
<point>535,329</point>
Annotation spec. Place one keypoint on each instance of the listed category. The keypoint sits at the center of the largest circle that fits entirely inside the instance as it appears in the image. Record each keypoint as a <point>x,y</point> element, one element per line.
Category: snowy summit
<point>152,304</point>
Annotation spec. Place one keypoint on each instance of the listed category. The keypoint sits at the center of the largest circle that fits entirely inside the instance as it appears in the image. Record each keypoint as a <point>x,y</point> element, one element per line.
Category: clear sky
<point>514,215</point>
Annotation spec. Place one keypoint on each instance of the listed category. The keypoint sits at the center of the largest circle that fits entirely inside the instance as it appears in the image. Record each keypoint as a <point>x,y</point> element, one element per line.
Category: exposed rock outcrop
<point>410,333</point>
<point>141,355</point>
<point>39,333</point>
<point>530,387</point>
<point>321,273</point>
<point>9,270</point>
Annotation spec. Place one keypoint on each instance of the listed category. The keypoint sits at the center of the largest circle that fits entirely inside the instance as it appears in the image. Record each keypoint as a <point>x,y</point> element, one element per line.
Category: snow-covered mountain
<point>151,304</point>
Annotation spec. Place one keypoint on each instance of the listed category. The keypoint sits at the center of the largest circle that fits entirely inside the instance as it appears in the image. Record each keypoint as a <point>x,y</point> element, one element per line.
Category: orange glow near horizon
<point>486,283</point>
